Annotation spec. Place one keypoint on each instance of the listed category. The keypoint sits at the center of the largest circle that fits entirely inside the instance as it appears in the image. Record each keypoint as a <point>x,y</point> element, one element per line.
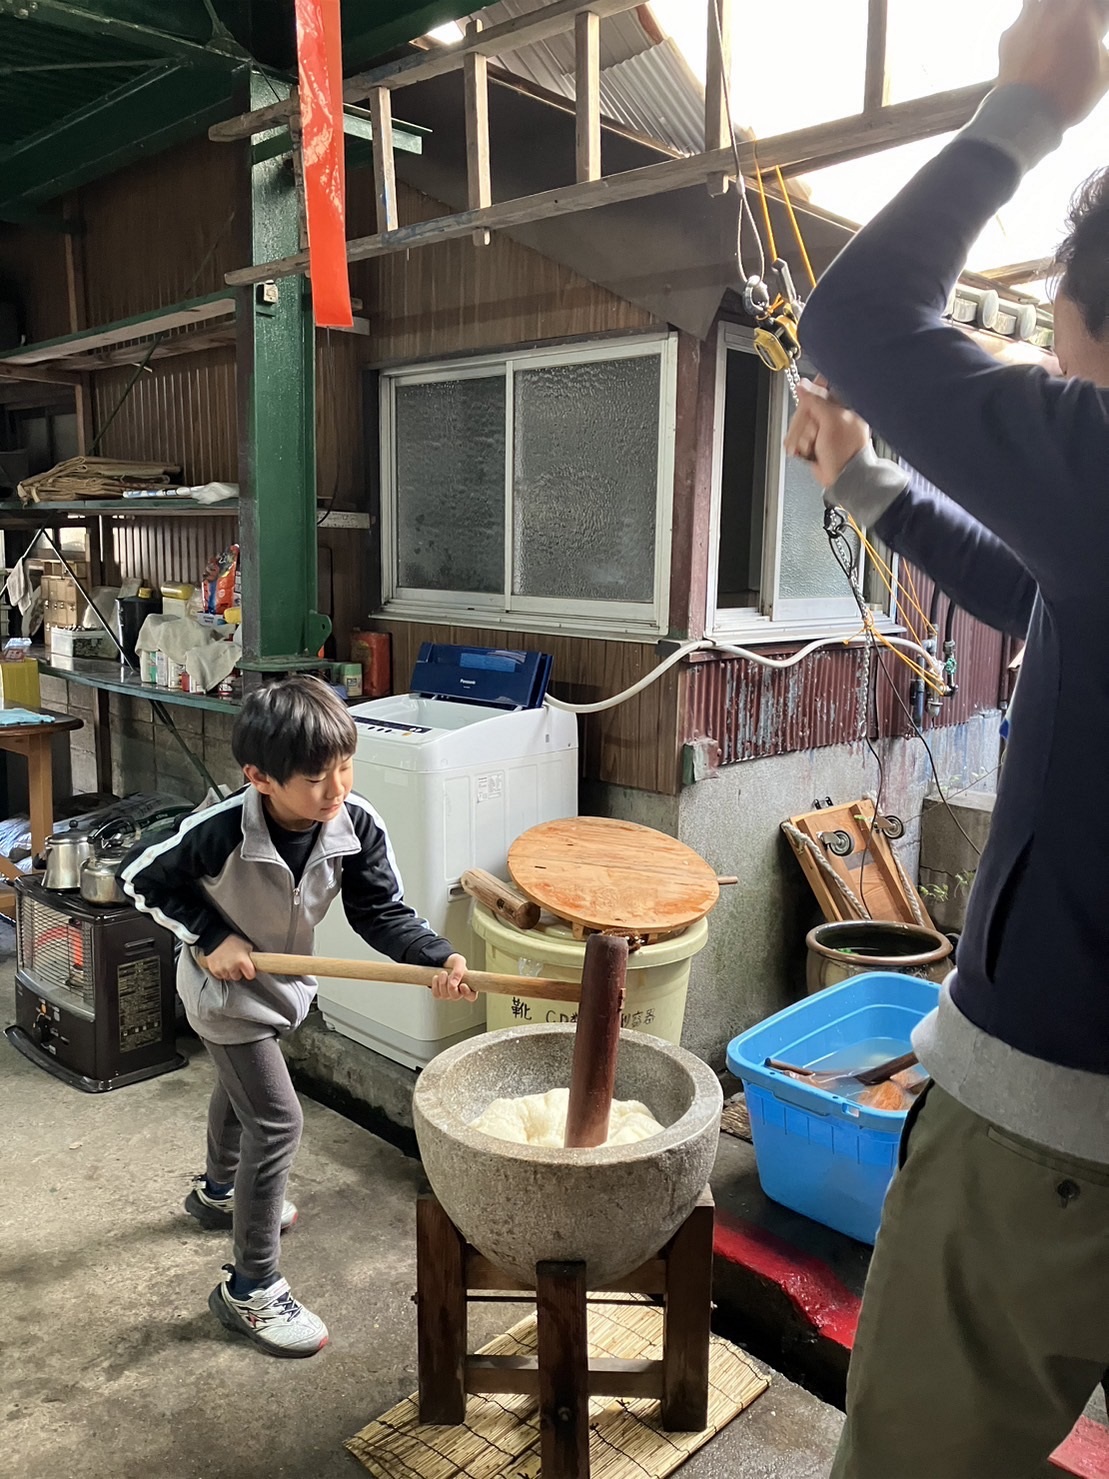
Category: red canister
<point>374,651</point>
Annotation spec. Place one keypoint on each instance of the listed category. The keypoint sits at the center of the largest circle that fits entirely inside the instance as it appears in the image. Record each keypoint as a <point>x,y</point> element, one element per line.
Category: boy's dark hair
<point>295,727</point>
<point>1084,253</point>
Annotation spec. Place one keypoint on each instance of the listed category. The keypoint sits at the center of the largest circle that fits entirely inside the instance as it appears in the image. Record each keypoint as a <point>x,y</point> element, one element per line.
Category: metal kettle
<point>65,852</point>
<point>100,880</point>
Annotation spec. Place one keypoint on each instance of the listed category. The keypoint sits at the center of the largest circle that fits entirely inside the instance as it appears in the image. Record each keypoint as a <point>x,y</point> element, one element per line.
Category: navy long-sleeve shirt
<point>1023,1036</point>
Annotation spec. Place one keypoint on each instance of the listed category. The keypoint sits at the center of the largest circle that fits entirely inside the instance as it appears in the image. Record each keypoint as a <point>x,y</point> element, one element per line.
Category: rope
<point>773,245</point>
<point>801,843</point>
<point>909,891</point>
<point>796,228</point>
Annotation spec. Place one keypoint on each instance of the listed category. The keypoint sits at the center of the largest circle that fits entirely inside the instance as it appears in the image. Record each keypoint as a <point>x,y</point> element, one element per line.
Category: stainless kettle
<point>100,880</point>
<point>65,852</point>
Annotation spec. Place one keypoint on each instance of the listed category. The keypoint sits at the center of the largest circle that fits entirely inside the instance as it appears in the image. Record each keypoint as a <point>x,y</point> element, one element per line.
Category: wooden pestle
<point>501,898</point>
<point>596,1041</point>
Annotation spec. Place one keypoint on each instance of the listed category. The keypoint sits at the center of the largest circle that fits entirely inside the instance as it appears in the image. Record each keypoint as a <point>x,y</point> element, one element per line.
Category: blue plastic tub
<point>819,1153</point>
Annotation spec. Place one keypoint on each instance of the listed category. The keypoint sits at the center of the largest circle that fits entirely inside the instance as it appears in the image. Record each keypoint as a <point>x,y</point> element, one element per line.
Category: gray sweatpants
<point>254,1125</point>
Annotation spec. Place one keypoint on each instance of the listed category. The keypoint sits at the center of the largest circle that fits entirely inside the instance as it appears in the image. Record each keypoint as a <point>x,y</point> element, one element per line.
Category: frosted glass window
<point>450,474</point>
<point>809,571</point>
<point>586,480</point>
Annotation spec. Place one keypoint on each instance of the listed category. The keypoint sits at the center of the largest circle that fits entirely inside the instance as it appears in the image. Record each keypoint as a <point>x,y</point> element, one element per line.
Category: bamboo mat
<point>501,1436</point>
<point>735,1119</point>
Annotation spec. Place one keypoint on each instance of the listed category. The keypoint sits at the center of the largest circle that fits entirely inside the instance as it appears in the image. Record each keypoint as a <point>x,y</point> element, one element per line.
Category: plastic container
<point>820,1153</point>
<point>658,975</point>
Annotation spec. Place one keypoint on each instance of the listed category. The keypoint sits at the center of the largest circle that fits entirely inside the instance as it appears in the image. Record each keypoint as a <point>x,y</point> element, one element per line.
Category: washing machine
<point>457,769</point>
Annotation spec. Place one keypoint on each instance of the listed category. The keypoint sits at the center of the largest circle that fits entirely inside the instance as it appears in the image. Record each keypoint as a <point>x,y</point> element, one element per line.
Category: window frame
<point>777,617</point>
<point>533,613</point>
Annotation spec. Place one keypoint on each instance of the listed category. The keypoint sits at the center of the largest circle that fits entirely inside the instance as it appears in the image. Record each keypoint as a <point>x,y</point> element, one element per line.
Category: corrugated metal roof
<point>647,85</point>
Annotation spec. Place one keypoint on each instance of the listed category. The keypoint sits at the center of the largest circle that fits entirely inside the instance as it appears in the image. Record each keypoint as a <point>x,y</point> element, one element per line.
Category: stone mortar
<point>518,1204</point>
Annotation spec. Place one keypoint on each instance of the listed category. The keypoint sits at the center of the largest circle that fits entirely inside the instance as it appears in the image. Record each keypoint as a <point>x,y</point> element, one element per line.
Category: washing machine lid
<point>491,676</point>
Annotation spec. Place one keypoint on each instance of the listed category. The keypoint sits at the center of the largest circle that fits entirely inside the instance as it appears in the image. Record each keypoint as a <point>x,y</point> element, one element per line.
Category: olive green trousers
<point>985,1322</point>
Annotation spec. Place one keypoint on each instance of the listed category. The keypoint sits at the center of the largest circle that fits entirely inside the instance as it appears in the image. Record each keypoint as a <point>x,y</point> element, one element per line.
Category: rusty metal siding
<point>750,712</point>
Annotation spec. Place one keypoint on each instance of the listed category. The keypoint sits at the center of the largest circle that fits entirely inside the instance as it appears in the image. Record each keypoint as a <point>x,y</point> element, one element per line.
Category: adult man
<point>985,1326</point>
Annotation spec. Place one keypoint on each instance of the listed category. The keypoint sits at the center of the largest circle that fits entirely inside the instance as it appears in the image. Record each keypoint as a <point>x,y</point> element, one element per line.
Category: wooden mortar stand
<point>450,1274</point>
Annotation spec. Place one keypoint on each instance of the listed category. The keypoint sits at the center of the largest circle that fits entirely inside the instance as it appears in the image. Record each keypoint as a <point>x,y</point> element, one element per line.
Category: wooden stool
<point>563,1378</point>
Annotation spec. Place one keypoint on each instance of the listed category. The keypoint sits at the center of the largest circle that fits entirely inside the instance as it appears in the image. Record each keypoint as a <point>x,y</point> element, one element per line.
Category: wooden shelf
<point>95,508</point>
<point>113,677</point>
<point>84,350</point>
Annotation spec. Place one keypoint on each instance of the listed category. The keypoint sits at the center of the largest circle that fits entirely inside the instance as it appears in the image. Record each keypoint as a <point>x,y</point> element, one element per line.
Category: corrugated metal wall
<point>164,550</point>
<point>752,712</point>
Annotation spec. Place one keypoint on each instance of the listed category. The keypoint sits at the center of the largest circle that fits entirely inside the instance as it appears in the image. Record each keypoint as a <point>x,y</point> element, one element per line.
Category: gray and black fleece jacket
<point>1021,540</point>
<point>221,874</point>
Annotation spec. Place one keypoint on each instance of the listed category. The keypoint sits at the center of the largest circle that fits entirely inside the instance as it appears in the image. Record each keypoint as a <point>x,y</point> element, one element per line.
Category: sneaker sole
<point>212,1219</point>
<point>231,1321</point>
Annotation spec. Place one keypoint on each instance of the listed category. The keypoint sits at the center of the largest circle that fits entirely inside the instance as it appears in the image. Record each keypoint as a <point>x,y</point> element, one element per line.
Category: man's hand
<point>1056,46</point>
<point>230,961</point>
<point>448,985</point>
<point>824,433</point>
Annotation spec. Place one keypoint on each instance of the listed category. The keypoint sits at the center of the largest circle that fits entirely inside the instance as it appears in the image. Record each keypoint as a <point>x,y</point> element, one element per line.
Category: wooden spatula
<point>867,1076</point>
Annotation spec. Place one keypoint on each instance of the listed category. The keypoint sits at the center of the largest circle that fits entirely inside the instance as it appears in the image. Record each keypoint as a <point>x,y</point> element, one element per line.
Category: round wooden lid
<point>616,876</point>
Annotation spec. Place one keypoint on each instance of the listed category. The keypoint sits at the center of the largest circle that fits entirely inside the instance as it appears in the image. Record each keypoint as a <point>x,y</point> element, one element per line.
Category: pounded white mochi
<point>540,1119</point>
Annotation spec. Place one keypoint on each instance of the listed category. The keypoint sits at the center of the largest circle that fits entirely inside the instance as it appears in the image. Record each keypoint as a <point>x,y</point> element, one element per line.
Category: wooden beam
<point>479,178</point>
<point>796,153</point>
<point>1018,272</point>
<point>538,25</point>
<point>718,73</point>
<point>876,86</point>
<point>385,168</point>
<point>587,93</point>
<point>141,326</point>
<point>39,374</point>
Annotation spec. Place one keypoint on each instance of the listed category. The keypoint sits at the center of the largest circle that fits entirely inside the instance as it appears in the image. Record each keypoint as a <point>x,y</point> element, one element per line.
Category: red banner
<point>320,63</point>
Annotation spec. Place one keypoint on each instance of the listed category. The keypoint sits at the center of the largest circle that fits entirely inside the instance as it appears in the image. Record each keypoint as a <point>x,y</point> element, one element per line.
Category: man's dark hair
<point>295,727</point>
<point>1084,253</point>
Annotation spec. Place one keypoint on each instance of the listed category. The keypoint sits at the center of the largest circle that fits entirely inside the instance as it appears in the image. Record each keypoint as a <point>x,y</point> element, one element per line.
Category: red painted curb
<point>826,1304</point>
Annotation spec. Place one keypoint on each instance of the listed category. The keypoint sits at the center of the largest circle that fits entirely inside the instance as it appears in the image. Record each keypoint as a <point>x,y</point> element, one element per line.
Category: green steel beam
<point>149,113</point>
<point>408,138</point>
<point>277,421</point>
<point>165,28</point>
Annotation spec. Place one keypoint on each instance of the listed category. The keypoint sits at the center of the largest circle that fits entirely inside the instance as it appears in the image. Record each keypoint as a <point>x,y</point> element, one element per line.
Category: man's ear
<point>259,780</point>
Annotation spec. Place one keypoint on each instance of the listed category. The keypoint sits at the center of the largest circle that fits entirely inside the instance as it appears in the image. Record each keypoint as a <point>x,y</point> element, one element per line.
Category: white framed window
<point>772,573</point>
<point>532,489</point>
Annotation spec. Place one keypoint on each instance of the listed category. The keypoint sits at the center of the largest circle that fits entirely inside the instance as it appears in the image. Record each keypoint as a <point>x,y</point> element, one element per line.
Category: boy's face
<point>304,800</point>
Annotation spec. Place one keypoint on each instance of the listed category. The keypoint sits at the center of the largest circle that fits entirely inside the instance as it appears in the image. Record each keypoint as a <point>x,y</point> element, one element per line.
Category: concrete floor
<point>112,1364</point>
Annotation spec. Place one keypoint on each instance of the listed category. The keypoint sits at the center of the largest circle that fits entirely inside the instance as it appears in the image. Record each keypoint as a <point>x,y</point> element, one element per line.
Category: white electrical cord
<point>728,650</point>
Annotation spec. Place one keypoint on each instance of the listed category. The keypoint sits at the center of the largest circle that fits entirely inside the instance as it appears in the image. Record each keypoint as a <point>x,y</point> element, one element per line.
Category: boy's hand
<point>448,985</point>
<point>230,961</point>
<point>1056,46</point>
<point>824,433</point>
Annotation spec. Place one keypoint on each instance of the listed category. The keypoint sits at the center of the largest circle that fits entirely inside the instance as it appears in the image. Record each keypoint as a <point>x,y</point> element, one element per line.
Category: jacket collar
<point>337,839</point>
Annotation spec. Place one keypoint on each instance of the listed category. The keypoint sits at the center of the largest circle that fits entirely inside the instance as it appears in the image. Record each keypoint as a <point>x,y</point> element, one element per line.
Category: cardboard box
<point>75,642</point>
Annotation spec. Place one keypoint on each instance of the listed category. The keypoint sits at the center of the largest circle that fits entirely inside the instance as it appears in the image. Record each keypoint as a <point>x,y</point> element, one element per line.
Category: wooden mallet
<point>596,1041</point>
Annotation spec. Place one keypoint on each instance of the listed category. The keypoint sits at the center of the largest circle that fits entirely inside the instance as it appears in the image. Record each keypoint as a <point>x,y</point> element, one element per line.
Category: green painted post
<point>277,415</point>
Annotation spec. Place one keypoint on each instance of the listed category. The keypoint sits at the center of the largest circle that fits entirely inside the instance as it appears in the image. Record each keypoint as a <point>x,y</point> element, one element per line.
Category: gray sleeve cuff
<point>1020,121</point>
<point>867,487</point>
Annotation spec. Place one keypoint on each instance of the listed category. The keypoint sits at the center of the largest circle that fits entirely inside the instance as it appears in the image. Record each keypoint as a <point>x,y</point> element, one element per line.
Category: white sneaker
<point>216,1213</point>
<point>271,1317</point>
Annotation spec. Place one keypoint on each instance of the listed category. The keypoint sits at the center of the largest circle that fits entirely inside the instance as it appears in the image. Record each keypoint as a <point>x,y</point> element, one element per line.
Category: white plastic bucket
<point>658,975</point>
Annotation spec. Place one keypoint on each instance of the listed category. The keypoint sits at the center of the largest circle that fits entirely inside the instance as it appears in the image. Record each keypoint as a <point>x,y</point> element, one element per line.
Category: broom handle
<point>414,975</point>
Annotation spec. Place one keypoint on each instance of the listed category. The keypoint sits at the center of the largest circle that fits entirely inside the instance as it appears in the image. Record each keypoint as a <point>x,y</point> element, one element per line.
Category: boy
<point>257,871</point>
